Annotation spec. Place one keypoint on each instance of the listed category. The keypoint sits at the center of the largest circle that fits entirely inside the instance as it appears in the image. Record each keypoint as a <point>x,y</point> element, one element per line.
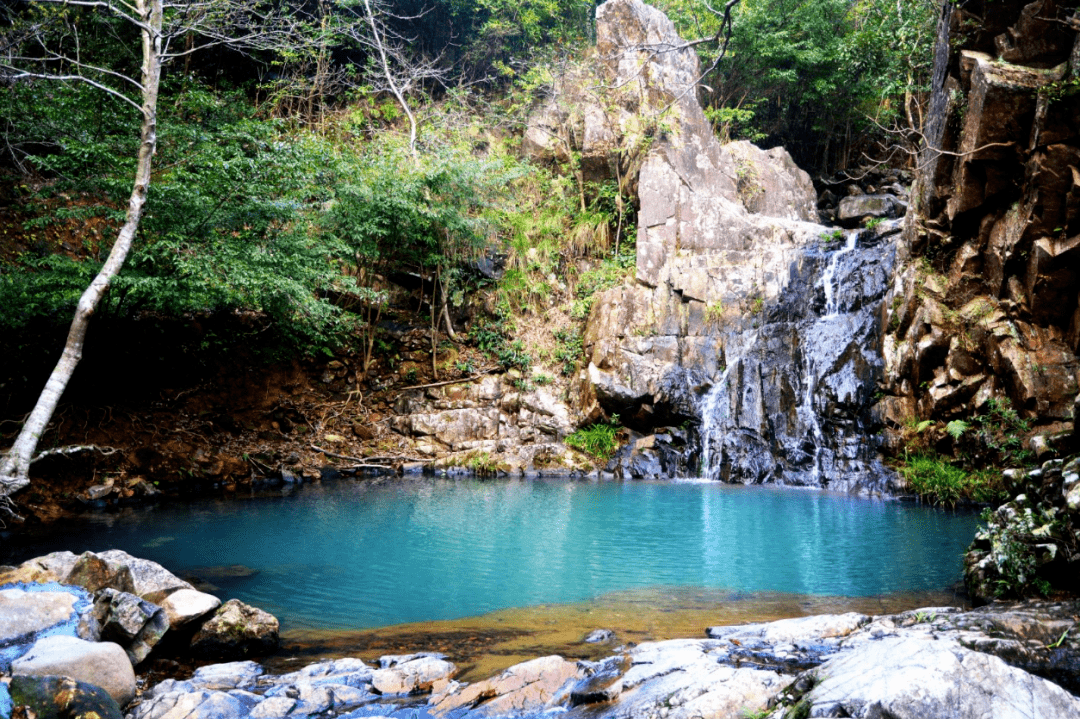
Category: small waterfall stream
<point>792,406</point>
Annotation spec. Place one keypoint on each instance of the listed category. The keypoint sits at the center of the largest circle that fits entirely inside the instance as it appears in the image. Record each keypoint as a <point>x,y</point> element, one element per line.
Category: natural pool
<point>352,554</point>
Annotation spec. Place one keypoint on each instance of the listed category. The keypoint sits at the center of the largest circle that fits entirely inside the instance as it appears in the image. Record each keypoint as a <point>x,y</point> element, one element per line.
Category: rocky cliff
<point>984,306</point>
<point>746,318</point>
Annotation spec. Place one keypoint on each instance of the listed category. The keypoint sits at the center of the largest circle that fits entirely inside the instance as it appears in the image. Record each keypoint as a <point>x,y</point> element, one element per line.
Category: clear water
<point>353,555</point>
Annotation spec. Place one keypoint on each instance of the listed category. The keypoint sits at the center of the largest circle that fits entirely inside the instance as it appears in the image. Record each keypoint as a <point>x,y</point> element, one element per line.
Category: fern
<point>956,428</point>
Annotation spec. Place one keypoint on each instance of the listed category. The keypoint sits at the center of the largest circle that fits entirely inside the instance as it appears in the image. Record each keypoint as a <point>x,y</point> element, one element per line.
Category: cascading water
<point>792,405</point>
<point>828,278</point>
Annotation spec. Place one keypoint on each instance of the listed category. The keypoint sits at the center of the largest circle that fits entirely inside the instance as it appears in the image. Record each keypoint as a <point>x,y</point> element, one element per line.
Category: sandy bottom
<point>485,645</point>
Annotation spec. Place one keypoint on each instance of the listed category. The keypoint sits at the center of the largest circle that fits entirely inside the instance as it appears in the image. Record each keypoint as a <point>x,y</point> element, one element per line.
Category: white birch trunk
<point>15,467</point>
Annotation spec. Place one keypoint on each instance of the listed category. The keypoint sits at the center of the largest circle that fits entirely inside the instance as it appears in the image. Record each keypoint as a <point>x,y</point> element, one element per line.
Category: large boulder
<point>24,613</point>
<point>913,678</point>
<point>151,581</point>
<point>236,631</point>
<point>30,611</point>
<point>100,663</point>
<point>49,568</point>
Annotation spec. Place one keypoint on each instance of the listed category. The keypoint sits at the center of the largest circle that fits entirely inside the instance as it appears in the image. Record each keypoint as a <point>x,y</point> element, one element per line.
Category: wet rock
<point>55,697</point>
<point>195,705</point>
<point>599,636</point>
<point>236,631</point>
<point>31,611</point>
<point>603,683</point>
<point>133,623</point>
<point>101,663</point>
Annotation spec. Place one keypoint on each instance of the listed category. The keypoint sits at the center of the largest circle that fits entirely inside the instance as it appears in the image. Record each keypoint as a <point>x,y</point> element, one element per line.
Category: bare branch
<point>79,78</point>
<point>74,449</point>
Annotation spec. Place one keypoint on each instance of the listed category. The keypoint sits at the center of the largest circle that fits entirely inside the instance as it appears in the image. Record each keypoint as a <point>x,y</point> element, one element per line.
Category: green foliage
<point>1011,536</point>
<point>514,355</point>
<point>599,440</point>
<point>225,225</point>
<point>956,428</point>
<point>935,479</point>
<point>714,313</point>
<point>1004,431</point>
<point>813,69</point>
<point>390,208</point>
<point>570,349</point>
<point>612,272</point>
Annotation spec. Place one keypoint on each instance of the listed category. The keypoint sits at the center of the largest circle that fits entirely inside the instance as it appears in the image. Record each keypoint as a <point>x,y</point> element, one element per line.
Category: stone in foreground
<point>101,663</point>
<point>918,677</point>
<point>50,697</point>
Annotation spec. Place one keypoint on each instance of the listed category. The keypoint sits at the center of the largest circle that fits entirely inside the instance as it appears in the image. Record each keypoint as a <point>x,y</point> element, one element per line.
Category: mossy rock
<point>52,697</point>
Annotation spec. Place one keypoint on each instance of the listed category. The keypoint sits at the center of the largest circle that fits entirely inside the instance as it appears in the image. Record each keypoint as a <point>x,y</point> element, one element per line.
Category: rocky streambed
<point>73,628</point>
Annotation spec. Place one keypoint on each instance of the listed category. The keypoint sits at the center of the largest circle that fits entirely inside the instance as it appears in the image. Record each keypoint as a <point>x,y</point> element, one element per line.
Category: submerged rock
<point>63,698</point>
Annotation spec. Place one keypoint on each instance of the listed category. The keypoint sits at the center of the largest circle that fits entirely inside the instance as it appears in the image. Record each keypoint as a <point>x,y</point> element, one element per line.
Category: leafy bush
<point>933,478</point>
<point>1012,536</point>
<point>599,440</point>
<point>570,349</point>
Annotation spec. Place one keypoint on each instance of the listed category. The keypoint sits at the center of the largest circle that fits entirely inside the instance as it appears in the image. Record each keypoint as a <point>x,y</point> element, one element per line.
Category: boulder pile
<point>94,617</point>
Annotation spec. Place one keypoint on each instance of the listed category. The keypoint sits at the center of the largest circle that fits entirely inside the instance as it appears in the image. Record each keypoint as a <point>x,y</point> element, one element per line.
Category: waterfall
<point>828,278</point>
<point>792,405</point>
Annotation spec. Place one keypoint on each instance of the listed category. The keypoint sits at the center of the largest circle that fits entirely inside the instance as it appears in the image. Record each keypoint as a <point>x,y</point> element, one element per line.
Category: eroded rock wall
<point>746,316</point>
<point>986,302</point>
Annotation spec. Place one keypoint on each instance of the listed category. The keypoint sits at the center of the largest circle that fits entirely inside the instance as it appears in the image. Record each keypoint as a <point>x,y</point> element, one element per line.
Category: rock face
<point>488,425</point>
<point>741,316</point>
<point>986,303</point>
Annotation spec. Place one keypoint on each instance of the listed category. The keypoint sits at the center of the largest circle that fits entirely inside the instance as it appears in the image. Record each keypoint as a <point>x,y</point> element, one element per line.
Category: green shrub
<point>600,440</point>
<point>1012,537</point>
<point>934,479</point>
<point>570,349</point>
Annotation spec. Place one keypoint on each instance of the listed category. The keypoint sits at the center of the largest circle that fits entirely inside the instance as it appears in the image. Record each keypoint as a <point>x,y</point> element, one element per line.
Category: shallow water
<point>350,555</point>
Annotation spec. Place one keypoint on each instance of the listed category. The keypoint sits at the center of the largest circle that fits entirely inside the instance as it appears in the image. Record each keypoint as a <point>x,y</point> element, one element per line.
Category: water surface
<point>354,555</point>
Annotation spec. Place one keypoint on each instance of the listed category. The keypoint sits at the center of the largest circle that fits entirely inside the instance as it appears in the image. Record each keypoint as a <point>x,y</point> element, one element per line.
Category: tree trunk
<point>15,468</point>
